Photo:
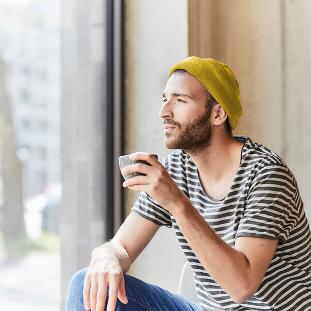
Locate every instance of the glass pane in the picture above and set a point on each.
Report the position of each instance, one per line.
(30, 188)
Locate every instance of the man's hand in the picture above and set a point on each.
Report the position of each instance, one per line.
(157, 183)
(104, 271)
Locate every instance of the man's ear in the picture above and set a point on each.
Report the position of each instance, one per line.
(218, 115)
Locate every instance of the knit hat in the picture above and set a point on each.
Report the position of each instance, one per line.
(219, 81)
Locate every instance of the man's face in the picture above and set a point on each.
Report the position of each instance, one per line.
(185, 115)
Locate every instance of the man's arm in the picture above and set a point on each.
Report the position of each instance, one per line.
(239, 270)
(111, 259)
(133, 236)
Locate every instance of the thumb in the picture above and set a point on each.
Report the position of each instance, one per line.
(121, 293)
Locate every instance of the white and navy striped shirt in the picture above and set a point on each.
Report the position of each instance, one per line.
(263, 201)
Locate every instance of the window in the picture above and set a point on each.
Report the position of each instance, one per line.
(29, 237)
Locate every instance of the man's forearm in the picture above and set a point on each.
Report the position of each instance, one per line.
(226, 265)
(116, 249)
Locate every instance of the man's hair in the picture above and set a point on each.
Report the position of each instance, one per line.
(210, 102)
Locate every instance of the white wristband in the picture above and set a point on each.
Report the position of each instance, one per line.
(119, 251)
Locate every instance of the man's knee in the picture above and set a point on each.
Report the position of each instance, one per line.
(131, 283)
(77, 281)
(74, 300)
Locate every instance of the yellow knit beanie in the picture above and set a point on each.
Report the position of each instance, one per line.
(219, 81)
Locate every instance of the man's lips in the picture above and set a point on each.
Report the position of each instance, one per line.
(168, 128)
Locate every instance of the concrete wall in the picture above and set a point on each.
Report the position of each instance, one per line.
(297, 93)
(156, 37)
(267, 44)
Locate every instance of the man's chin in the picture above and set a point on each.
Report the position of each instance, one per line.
(171, 144)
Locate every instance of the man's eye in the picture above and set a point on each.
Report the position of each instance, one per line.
(164, 100)
(180, 100)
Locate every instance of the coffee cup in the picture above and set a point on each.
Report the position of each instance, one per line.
(125, 161)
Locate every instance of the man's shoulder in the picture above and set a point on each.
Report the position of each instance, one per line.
(178, 159)
(263, 159)
(257, 152)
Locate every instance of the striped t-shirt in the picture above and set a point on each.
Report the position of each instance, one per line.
(263, 201)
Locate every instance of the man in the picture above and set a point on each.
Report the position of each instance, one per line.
(234, 205)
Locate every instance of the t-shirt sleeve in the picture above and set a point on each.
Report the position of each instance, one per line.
(271, 209)
(149, 209)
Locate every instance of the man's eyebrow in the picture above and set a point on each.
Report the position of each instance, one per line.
(178, 95)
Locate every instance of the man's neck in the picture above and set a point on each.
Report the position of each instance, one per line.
(220, 159)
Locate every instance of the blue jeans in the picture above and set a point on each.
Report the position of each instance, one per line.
(141, 296)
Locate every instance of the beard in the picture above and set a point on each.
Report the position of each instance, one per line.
(192, 137)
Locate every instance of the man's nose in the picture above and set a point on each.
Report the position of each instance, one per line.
(165, 111)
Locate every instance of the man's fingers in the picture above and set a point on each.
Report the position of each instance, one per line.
(113, 297)
(114, 284)
(86, 292)
(121, 293)
(101, 294)
(93, 292)
(136, 168)
(137, 180)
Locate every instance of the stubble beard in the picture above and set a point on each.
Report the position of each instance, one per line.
(192, 137)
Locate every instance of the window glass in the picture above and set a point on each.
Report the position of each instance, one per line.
(30, 188)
